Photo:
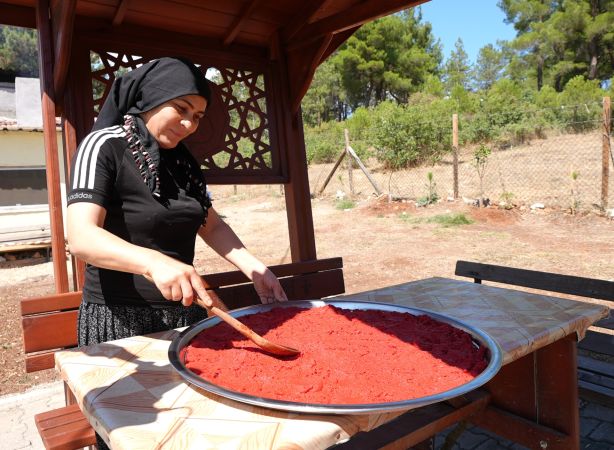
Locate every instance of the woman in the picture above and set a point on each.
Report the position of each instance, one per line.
(136, 202)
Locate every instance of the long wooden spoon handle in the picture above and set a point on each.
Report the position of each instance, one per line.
(250, 334)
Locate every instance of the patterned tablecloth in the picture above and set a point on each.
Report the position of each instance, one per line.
(135, 399)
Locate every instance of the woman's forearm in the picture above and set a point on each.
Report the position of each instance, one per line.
(223, 240)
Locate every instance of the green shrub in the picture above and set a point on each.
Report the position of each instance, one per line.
(582, 98)
(344, 203)
(450, 220)
(324, 143)
(405, 136)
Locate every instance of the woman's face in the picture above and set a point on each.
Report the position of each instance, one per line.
(173, 121)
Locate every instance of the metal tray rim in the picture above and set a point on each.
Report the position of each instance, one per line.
(180, 341)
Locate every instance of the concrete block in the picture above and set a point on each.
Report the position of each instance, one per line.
(28, 108)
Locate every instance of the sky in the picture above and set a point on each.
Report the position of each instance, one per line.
(476, 22)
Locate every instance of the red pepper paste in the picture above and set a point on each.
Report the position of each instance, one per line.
(347, 356)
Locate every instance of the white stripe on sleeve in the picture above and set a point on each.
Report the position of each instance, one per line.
(85, 165)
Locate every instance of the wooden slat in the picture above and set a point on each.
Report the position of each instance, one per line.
(598, 342)
(608, 322)
(300, 287)
(417, 425)
(522, 431)
(593, 365)
(596, 393)
(564, 284)
(606, 381)
(213, 281)
(65, 428)
(47, 331)
(56, 417)
(40, 361)
(58, 302)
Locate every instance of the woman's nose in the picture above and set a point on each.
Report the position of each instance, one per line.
(187, 123)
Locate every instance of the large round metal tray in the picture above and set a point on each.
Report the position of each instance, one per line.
(479, 337)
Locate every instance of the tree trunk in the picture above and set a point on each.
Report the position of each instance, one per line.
(592, 70)
(540, 72)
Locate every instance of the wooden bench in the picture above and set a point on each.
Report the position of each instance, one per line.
(49, 324)
(596, 364)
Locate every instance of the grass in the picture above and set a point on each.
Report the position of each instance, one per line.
(409, 219)
(450, 220)
(344, 204)
(445, 220)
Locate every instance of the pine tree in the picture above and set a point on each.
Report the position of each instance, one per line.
(18, 52)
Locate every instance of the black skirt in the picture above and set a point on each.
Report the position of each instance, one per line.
(97, 323)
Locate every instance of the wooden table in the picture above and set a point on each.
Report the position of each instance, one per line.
(135, 399)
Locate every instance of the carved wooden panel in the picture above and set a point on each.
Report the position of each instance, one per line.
(234, 137)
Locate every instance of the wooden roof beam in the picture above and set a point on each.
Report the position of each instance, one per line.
(302, 18)
(303, 63)
(329, 44)
(120, 13)
(17, 16)
(353, 17)
(62, 19)
(240, 20)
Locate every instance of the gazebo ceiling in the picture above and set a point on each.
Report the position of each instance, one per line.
(250, 22)
(302, 32)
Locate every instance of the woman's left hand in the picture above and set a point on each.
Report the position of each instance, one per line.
(268, 287)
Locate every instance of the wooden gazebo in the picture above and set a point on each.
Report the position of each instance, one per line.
(263, 53)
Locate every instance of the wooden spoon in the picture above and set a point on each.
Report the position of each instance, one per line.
(265, 344)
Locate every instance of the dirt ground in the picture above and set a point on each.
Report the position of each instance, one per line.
(381, 244)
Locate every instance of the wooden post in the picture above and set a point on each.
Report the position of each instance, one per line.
(346, 133)
(45, 57)
(297, 195)
(605, 152)
(455, 152)
(330, 175)
(362, 167)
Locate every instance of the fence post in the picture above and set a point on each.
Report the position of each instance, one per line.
(349, 160)
(455, 152)
(605, 152)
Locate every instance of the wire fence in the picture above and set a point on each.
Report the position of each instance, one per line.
(563, 169)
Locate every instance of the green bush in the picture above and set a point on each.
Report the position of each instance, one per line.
(405, 136)
(324, 143)
(450, 220)
(582, 98)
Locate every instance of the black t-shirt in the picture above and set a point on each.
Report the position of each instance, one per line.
(104, 172)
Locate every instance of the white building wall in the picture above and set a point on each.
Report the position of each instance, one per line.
(26, 149)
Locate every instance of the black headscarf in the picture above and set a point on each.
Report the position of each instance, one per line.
(150, 85)
(141, 90)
